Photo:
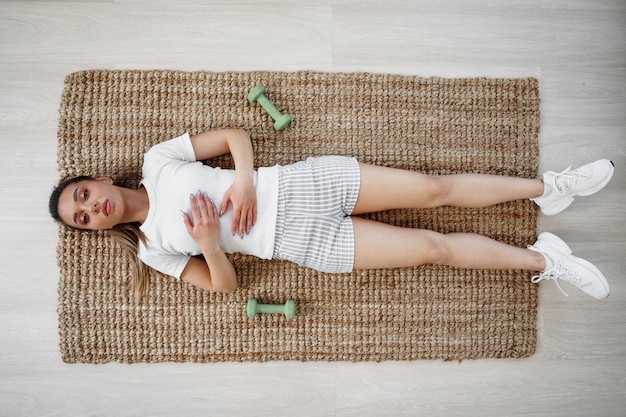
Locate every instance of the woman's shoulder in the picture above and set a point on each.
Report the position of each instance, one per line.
(178, 149)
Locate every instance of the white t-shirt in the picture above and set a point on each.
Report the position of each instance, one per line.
(170, 174)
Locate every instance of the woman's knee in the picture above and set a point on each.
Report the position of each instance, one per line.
(437, 251)
(438, 190)
(433, 249)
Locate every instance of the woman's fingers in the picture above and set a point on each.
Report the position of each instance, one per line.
(202, 207)
(252, 221)
(204, 210)
(203, 223)
(210, 208)
(207, 207)
(193, 205)
(243, 221)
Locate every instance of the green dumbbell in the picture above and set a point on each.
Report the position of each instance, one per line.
(288, 309)
(280, 120)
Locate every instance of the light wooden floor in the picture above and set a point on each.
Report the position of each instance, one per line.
(576, 47)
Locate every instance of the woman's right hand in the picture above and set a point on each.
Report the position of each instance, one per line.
(203, 226)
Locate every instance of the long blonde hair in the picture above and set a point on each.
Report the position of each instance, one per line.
(128, 236)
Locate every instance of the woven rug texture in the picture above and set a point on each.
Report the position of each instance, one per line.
(109, 119)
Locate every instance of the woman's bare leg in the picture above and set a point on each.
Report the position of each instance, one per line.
(379, 245)
(388, 188)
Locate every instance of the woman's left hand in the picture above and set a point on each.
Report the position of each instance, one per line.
(242, 195)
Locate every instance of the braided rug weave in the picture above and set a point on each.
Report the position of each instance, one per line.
(109, 119)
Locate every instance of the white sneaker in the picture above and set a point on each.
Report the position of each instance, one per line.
(562, 265)
(562, 187)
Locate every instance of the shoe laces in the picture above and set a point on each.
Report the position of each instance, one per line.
(559, 272)
(565, 180)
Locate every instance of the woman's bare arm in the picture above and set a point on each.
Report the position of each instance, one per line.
(215, 273)
(241, 194)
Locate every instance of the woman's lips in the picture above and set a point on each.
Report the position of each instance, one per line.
(106, 208)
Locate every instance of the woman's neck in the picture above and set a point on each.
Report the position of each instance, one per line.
(137, 205)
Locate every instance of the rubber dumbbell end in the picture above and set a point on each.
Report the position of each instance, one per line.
(251, 307)
(290, 309)
(255, 93)
(282, 122)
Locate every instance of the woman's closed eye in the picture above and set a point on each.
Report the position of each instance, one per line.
(85, 217)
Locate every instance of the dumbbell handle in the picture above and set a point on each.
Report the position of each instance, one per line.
(269, 107)
(270, 308)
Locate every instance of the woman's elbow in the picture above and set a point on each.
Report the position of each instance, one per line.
(226, 288)
(197, 274)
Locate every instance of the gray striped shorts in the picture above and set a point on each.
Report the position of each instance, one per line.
(315, 200)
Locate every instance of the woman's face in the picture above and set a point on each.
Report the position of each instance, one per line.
(91, 205)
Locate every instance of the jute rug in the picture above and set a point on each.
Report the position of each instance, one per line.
(108, 119)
